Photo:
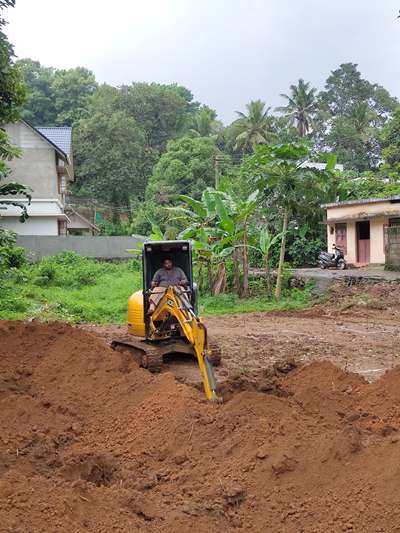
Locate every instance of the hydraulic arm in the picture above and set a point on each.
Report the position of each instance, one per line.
(175, 303)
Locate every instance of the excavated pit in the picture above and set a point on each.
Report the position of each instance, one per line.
(88, 446)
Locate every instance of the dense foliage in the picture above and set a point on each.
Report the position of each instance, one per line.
(147, 154)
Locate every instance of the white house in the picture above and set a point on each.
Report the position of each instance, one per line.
(46, 166)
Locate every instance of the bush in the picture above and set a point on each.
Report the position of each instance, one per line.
(70, 270)
(304, 252)
(12, 256)
(7, 238)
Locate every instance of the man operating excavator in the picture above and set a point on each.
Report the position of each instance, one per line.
(167, 276)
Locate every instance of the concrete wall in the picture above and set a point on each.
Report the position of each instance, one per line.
(37, 165)
(99, 247)
(33, 226)
(393, 250)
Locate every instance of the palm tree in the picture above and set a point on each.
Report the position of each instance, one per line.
(302, 104)
(205, 123)
(253, 128)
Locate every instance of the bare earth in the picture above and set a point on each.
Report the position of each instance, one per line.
(90, 442)
(357, 329)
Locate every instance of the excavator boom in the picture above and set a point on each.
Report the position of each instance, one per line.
(175, 303)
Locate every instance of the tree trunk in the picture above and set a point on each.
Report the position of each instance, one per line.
(268, 274)
(219, 284)
(245, 265)
(278, 289)
(210, 277)
(236, 270)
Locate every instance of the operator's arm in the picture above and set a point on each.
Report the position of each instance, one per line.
(182, 277)
(156, 279)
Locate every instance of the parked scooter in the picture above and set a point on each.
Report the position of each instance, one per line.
(336, 260)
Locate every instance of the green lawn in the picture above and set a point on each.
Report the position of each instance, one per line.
(80, 290)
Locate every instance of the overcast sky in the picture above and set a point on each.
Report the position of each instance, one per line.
(227, 52)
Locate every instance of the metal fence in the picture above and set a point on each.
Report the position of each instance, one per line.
(38, 246)
(392, 247)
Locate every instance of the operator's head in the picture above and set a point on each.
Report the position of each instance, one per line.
(167, 263)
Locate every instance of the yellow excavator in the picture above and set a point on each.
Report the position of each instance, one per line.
(174, 327)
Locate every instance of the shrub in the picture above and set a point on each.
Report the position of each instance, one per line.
(70, 270)
(7, 238)
(304, 252)
(12, 256)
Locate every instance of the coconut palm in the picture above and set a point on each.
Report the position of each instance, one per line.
(301, 106)
(252, 128)
(205, 123)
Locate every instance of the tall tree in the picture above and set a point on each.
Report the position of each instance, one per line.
(252, 128)
(39, 108)
(56, 97)
(301, 106)
(71, 91)
(391, 146)
(163, 112)
(351, 112)
(186, 167)
(108, 155)
(205, 123)
(12, 96)
(12, 88)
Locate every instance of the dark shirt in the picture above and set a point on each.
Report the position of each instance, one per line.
(166, 278)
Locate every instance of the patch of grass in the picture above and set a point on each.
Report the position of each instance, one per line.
(75, 289)
(231, 303)
(81, 291)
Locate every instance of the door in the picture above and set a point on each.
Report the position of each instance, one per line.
(363, 242)
(341, 237)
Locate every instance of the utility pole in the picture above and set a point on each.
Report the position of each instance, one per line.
(217, 159)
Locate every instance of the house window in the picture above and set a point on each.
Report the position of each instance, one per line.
(62, 185)
(394, 221)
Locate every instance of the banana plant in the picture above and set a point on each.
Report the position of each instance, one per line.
(266, 242)
(218, 226)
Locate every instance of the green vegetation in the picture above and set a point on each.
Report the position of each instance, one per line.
(139, 146)
(12, 96)
(76, 289)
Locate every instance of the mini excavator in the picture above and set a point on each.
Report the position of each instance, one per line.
(174, 327)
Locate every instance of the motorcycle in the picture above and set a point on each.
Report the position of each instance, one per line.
(327, 260)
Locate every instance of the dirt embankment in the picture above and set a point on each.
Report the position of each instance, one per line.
(89, 443)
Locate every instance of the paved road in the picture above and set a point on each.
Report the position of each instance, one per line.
(377, 273)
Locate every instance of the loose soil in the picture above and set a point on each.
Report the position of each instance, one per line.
(89, 442)
(356, 328)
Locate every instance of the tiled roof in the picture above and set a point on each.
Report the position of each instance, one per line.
(61, 137)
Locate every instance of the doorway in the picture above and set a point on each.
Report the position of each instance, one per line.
(363, 242)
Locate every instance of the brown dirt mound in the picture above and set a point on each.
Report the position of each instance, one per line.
(89, 442)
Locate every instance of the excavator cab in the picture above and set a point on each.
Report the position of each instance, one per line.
(153, 255)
